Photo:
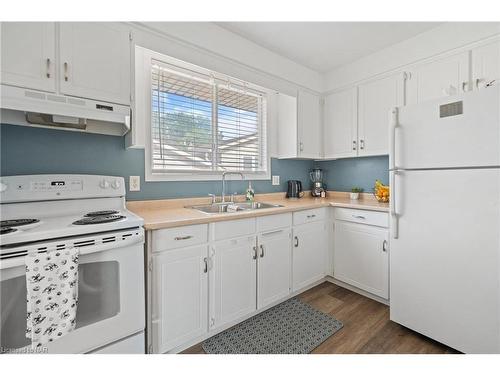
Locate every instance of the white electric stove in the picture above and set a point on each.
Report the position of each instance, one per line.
(48, 212)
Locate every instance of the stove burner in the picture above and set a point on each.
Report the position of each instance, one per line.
(101, 213)
(17, 222)
(7, 230)
(101, 219)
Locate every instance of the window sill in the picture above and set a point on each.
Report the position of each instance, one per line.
(158, 177)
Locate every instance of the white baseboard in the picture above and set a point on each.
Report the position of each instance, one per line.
(357, 290)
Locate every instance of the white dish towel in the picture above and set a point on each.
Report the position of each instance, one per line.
(52, 294)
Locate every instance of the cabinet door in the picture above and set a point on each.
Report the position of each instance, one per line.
(361, 257)
(274, 268)
(95, 61)
(308, 254)
(28, 55)
(486, 65)
(340, 127)
(180, 302)
(287, 126)
(235, 284)
(444, 77)
(375, 99)
(309, 126)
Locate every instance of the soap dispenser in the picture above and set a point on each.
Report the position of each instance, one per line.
(250, 194)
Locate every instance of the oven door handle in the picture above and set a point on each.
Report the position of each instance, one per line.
(19, 260)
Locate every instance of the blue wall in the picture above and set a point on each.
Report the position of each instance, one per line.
(344, 174)
(28, 150)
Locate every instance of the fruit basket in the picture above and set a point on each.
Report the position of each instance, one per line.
(381, 192)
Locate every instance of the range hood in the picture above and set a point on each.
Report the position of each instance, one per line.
(27, 107)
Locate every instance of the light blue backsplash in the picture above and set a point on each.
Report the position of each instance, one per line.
(27, 150)
(344, 174)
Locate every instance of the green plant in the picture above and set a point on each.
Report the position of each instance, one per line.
(356, 190)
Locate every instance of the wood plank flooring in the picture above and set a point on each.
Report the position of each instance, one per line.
(367, 328)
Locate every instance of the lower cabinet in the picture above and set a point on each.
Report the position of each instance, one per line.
(274, 266)
(234, 279)
(361, 257)
(180, 285)
(309, 253)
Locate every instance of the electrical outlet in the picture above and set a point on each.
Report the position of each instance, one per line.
(276, 180)
(134, 183)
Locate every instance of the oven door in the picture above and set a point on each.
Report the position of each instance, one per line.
(111, 299)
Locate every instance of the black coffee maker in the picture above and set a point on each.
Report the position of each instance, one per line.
(294, 189)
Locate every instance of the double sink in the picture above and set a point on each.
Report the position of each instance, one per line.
(217, 208)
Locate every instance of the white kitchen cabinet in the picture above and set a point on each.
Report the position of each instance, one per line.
(486, 65)
(180, 300)
(234, 280)
(274, 267)
(439, 78)
(28, 55)
(361, 257)
(309, 256)
(340, 139)
(375, 99)
(94, 61)
(299, 126)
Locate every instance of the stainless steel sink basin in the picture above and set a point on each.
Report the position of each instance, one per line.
(216, 208)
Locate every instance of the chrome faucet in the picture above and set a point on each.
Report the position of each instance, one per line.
(224, 174)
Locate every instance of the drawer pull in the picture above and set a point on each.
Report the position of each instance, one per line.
(384, 246)
(311, 216)
(359, 217)
(296, 241)
(181, 238)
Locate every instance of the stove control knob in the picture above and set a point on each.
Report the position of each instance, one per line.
(3, 187)
(115, 184)
(104, 184)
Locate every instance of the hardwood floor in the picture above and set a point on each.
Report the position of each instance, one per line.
(367, 328)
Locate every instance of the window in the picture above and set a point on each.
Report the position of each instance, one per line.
(203, 123)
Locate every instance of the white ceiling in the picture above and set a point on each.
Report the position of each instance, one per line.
(323, 46)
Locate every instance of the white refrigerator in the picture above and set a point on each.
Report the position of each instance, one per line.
(445, 220)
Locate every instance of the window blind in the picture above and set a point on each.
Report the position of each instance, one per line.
(203, 124)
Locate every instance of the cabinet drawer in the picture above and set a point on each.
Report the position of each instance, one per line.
(172, 238)
(379, 219)
(271, 222)
(233, 228)
(308, 216)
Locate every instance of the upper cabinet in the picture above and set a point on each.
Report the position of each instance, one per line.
(439, 78)
(299, 126)
(340, 138)
(92, 62)
(29, 55)
(375, 99)
(95, 61)
(486, 65)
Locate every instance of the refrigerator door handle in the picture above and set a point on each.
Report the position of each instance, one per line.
(394, 228)
(393, 123)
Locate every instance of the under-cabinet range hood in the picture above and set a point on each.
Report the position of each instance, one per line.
(27, 107)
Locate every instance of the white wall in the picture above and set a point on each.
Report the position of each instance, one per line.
(441, 39)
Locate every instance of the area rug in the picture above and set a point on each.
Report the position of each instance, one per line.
(292, 327)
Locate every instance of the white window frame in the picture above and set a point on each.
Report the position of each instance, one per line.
(143, 104)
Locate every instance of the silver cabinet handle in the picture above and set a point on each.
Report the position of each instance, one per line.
(262, 251)
(296, 241)
(181, 238)
(464, 84)
(311, 216)
(254, 252)
(205, 260)
(478, 80)
(359, 217)
(66, 71)
(354, 145)
(48, 68)
(384, 246)
(362, 144)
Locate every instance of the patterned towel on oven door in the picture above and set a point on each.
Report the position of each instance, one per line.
(52, 294)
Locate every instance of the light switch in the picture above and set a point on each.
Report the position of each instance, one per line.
(135, 183)
(276, 180)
